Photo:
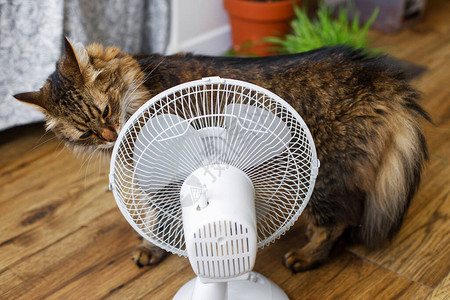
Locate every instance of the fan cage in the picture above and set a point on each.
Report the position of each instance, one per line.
(283, 184)
(214, 259)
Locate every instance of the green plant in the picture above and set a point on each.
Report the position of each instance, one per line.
(324, 31)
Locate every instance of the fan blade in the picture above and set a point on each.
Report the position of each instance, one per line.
(256, 134)
(164, 152)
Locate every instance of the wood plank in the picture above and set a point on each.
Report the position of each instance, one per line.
(169, 288)
(47, 196)
(352, 278)
(103, 241)
(9, 280)
(15, 168)
(25, 140)
(154, 280)
(31, 225)
(344, 276)
(442, 291)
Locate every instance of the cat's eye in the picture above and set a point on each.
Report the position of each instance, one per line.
(86, 135)
(106, 112)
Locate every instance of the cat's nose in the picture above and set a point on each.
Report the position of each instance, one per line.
(109, 134)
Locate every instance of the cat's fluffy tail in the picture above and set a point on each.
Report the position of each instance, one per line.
(397, 177)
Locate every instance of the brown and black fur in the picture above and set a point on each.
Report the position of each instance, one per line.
(363, 116)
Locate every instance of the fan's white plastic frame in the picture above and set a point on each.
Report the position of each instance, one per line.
(251, 284)
(218, 80)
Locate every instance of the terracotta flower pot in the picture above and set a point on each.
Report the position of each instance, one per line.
(252, 21)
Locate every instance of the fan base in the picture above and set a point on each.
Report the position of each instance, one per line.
(256, 287)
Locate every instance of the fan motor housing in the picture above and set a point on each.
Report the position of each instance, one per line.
(219, 222)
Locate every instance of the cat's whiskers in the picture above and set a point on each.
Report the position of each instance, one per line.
(88, 163)
(100, 160)
(88, 156)
(129, 98)
(105, 158)
(133, 101)
(79, 152)
(132, 85)
(64, 145)
(42, 136)
(98, 155)
(44, 142)
(102, 157)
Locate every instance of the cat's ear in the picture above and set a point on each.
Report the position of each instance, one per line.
(70, 62)
(34, 98)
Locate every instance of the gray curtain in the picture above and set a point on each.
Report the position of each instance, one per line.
(31, 33)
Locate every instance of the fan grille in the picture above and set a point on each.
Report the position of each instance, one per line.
(149, 198)
(227, 258)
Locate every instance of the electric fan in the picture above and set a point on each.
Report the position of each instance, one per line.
(214, 169)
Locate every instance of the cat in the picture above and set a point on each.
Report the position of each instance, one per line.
(364, 118)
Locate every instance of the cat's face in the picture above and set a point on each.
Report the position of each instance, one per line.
(86, 100)
(82, 115)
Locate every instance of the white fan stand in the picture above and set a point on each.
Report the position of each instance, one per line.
(214, 169)
(256, 286)
(222, 192)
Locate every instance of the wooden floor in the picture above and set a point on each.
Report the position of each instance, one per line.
(62, 236)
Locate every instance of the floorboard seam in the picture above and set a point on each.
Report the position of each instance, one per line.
(389, 269)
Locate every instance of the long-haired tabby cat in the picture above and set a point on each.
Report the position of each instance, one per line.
(363, 116)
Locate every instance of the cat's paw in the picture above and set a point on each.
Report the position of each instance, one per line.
(297, 260)
(145, 255)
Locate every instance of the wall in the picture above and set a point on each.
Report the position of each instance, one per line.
(199, 26)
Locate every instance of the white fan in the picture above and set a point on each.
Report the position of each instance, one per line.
(214, 169)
